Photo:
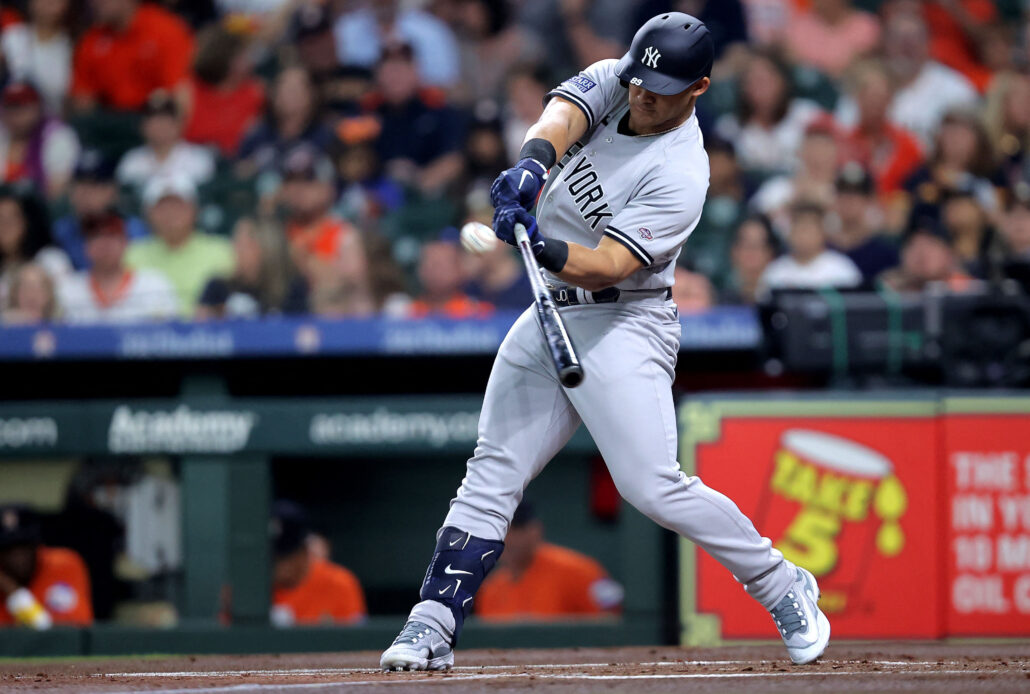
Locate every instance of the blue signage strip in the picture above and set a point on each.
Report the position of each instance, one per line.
(721, 328)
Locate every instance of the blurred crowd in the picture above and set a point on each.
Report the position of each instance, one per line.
(73, 568)
(212, 159)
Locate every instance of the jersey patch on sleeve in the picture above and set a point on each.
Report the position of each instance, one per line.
(635, 248)
(583, 84)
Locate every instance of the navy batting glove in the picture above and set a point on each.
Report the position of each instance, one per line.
(505, 219)
(519, 185)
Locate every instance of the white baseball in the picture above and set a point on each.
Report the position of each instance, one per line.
(477, 238)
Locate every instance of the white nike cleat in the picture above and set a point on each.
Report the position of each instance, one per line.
(418, 647)
(803, 626)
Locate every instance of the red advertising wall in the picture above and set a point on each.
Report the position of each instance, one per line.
(987, 577)
(855, 500)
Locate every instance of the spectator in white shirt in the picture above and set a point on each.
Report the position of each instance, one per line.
(812, 180)
(925, 89)
(109, 292)
(809, 264)
(362, 32)
(164, 153)
(767, 127)
(40, 50)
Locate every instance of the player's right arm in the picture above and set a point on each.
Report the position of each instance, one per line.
(573, 108)
(561, 124)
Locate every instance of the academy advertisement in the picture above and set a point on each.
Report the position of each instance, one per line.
(853, 499)
(987, 464)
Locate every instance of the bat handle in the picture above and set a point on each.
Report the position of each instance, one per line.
(521, 237)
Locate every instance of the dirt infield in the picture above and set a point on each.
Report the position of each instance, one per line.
(858, 667)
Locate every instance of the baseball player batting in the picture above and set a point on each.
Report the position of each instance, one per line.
(628, 177)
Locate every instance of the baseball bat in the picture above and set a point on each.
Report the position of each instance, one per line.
(563, 354)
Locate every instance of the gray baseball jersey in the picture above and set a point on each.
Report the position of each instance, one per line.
(644, 191)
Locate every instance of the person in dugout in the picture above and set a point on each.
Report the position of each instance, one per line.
(536, 580)
(39, 586)
(307, 589)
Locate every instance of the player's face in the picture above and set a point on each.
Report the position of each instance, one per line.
(19, 563)
(651, 113)
(290, 570)
(521, 543)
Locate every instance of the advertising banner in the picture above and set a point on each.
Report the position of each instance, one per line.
(847, 489)
(987, 465)
(359, 426)
(723, 327)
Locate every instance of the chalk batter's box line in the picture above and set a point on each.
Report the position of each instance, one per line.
(459, 677)
(307, 672)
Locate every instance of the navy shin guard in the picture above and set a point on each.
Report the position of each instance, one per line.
(459, 565)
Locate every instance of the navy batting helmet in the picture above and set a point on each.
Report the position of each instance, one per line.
(669, 54)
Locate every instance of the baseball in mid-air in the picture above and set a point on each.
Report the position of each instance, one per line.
(477, 237)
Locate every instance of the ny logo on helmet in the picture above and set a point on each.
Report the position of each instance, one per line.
(651, 56)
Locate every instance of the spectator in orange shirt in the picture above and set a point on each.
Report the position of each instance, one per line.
(959, 32)
(307, 194)
(39, 586)
(536, 580)
(889, 152)
(225, 98)
(132, 50)
(307, 589)
(442, 277)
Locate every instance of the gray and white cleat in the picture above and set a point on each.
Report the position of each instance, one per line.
(802, 625)
(418, 647)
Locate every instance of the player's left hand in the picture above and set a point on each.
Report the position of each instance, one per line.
(505, 219)
(519, 184)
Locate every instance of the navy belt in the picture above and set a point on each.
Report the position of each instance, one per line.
(575, 296)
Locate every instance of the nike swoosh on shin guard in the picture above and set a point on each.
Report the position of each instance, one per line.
(458, 553)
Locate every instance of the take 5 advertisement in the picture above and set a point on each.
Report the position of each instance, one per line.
(987, 467)
(913, 514)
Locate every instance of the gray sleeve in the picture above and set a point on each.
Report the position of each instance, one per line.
(658, 220)
(596, 91)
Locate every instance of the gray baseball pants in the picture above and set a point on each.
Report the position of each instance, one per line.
(628, 351)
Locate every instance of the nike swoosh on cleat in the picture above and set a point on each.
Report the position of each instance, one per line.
(449, 570)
